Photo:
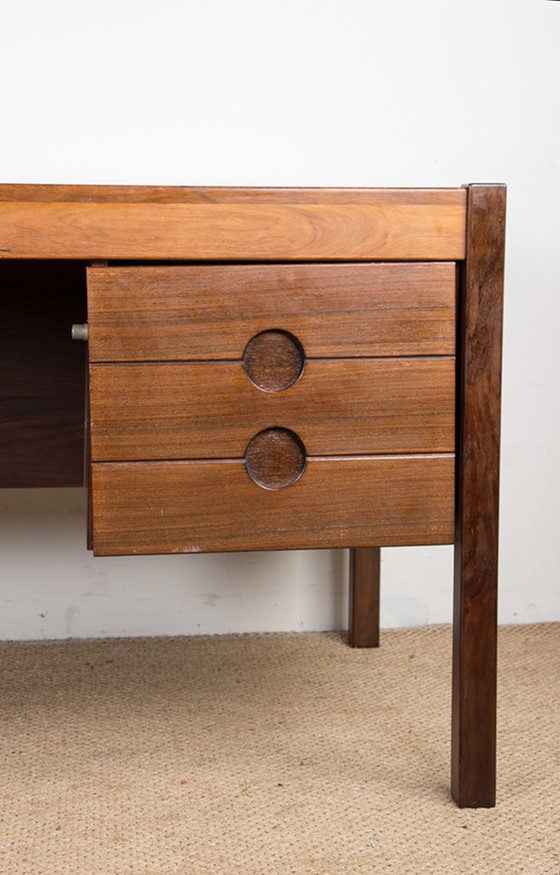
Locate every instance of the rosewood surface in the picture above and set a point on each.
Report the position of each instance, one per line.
(213, 311)
(365, 574)
(191, 507)
(208, 410)
(256, 224)
(477, 494)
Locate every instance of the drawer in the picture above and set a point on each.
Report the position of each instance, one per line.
(207, 506)
(211, 311)
(211, 410)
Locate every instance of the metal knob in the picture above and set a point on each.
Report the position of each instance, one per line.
(80, 331)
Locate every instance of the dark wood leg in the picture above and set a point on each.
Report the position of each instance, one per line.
(473, 782)
(364, 596)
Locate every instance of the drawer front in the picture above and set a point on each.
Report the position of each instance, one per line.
(211, 312)
(211, 410)
(207, 506)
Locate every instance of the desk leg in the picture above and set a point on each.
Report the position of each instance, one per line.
(364, 596)
(473, 782)
(87, 469)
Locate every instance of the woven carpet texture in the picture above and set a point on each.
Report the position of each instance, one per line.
(269, 754)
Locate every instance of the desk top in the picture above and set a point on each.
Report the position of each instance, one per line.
(231, 224)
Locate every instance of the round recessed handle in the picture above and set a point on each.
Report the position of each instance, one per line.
(273, 360)
(275, 458)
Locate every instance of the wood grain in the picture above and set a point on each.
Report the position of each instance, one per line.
(134, 194)
(221, 230)
(211, 410)
(275, 458)
(365, 574)
(190, 507)
(209, 312)
(273, 360)
(476, 539)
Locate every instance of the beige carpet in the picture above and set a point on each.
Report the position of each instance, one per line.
(269, 754)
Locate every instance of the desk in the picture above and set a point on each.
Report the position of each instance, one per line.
(271, 369)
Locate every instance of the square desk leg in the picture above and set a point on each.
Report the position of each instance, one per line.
(364, 596)
(473, 782)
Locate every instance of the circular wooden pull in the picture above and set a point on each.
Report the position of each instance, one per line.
(273, 360)
(275, 458)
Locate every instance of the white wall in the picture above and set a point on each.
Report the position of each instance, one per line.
(313, 92)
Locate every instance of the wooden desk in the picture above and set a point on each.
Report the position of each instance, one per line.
(271, 369)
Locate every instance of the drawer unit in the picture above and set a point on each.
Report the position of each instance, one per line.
(250, 407)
